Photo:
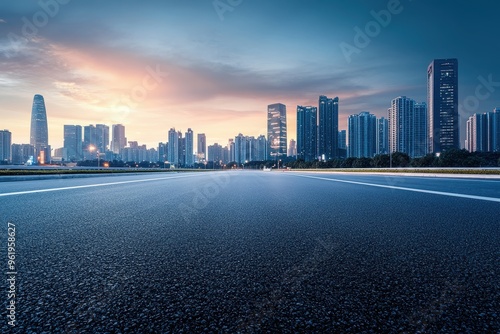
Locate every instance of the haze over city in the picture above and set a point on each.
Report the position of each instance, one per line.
(216, 69)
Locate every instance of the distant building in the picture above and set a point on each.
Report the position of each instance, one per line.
(73, 142)
(276, 131)
(442, 104)
(162, 152)
(232, 150)
(5, 146)
(22, 153)
(39, 133)
(482, 132)
(343, 139)
(307, 133)
(262, 148)
(173, 147)
(102, 137)
(362, 134)
(240, 149)
(292, 148)
(215, 153)
(382, 136)
(182, 150)
(202, 147)
(189, 138)
(328, 127)
(118, 139)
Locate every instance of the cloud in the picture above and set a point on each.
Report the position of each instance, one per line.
(3, 21)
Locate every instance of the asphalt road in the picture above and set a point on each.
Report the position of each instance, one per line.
(253, 252)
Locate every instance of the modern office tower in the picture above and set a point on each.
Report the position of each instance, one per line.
(189, 138)
(292, 148)
(173, 147)
(261, 148)
(22, 153)
(73, 142)
(138, 153)
(419, 121)
(407, 127)
(494, 130)
(162, 152)
(118, 139)
(307, 132)
(362, 134)
(215, 153)
(343, 139)
(39, 133)
(232, 150)
(382, 136)
(442, 105)
(240, 149)
(328, 127)
(202, 147)
(477, 137)
(102, 137)
(5, 146)
(276, 131)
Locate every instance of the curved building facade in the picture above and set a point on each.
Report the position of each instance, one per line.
(39, 134)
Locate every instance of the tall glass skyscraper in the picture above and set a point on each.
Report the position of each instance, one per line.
(173, 147)
(442, 104)
(328, 127)
(276, 131)
(5, 145)
(189, 147)
(39, 133)
(307, 133)
(118, 139)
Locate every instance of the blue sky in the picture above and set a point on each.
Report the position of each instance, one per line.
(218, 75)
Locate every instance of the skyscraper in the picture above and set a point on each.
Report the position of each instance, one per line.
(261, 148)
(39, 133)
(362, 133)
(5, 146)
(419, 123)
(89, 137)
(442, 104)
(240, 149)
(118, 139)
(202, 147)
(307, 133)
(173, 147)
(343, 139)
(482, 132)
(182, 150)
(189, 147)
(73, 142)
(276, 131)
(22, 153)
(382, 136)
(328, 127)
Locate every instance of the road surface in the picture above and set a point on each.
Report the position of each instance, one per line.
(253, 252)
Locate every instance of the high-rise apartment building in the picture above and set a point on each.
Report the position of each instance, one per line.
(262, 148)
(189, 138)
(382, 136)
(173, 147)
(73, 142)
(276, 131)
(202, 147)
(328, 127)
(442, 104)
(240, 149)
(307, 133)
(362, 134)
(5, 146)
(118, 139)
(292, 148)
(483, 131)
(22, 153)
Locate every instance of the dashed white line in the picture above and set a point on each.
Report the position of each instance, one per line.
(442, 193)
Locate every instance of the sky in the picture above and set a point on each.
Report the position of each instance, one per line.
(214, 65)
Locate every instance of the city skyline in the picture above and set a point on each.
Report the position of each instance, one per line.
(223, 81)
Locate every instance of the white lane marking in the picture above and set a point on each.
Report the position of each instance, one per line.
(90, 186)
(442, 193)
